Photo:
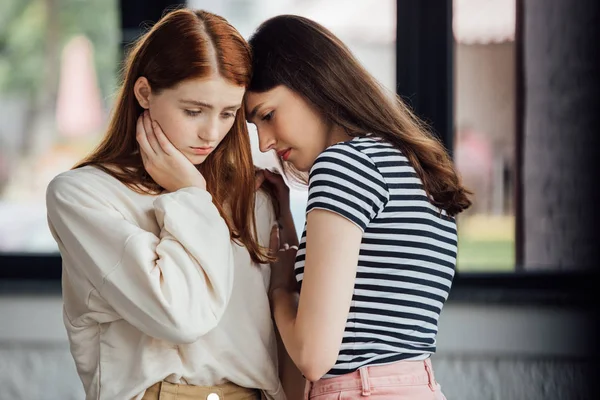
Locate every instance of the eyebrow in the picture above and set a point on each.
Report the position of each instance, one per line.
(254, 111)
(209, 106)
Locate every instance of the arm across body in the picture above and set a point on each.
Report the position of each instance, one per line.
(291, 378)
(346, 192)
(312, 327)
(173, 287)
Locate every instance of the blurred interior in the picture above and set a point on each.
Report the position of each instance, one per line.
(505, 84)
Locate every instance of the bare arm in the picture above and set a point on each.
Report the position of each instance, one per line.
(291, 378)
(346, 192)
(312, 329)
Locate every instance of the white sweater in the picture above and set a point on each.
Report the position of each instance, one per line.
(154, 289)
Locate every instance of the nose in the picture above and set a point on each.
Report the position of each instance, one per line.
(210, 131)
(266, 141)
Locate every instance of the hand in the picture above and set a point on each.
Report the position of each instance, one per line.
(282, 270)
(259, 178)
(282, 191)
(166, 165)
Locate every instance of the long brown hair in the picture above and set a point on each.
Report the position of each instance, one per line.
(177, 48)
(307, 58)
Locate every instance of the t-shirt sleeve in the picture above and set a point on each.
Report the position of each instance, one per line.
(346, 181)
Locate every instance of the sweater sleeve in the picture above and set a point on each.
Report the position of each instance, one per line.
(174, 287)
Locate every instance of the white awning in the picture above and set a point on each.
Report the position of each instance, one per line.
(474, 21)
(484, 21)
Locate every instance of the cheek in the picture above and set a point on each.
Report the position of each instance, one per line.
(226, 128)
(173, 125)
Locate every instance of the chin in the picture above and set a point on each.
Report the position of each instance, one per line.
(301, 166)
(196, 159)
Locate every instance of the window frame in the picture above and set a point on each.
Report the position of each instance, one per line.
(425, 39)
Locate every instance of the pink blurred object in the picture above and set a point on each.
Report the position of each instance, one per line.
(473, 154)
(79, 107)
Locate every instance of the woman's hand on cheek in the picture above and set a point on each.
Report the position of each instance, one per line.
(164, 163)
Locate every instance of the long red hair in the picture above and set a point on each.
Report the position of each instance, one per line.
(179, 47)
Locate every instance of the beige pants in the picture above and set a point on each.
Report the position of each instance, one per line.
(226, 391)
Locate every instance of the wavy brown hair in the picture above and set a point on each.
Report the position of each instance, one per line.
(179, 47)
(307, 58)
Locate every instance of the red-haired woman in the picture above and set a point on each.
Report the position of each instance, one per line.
(165, 272)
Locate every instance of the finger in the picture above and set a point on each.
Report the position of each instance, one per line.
(294, 247)
(163, 140)
(259, 177)
(272, 176)
(144, 157)
(274, 240)
(275, 178)
(142, 137)
(150, 133)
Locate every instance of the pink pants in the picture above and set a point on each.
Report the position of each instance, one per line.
(404, 380)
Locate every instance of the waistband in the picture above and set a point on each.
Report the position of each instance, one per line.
(226, 391)
(398, 374)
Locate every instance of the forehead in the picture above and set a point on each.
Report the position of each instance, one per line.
(254, 99)
(214, 90)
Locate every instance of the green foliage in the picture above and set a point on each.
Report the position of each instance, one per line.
(24, 40)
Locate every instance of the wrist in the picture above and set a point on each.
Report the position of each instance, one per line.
(286, 213)
(276, 294)
(277, 291)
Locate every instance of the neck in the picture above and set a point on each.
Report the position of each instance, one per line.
(337, 134)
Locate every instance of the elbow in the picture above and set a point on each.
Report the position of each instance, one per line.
(315, 364)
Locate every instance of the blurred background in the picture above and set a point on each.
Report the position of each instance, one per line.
(508, 85)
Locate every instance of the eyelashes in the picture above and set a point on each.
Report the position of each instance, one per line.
(191, 113)
(267, 117)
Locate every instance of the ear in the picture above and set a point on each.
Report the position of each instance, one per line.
(142, 92)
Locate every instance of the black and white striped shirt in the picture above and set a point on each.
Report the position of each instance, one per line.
(407, 254)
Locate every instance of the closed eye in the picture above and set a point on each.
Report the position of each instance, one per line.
(192, 113)
(267, 117)
(229, 114)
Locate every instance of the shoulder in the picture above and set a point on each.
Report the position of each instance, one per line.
(263, 203)
(351, 152)
(73, 179)
(348, 160)
(264, 216)
(83, 182)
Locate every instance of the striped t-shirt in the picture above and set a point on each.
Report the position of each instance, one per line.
(407, 255)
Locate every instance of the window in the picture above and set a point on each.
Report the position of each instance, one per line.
(372, 40)
(484, 123)
(58, 70)
(43, 41)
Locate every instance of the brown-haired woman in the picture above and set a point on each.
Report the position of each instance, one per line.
(164, 276)
(378, 253)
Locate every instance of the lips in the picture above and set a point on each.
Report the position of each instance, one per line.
(284, 154)
(201, 150)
